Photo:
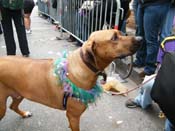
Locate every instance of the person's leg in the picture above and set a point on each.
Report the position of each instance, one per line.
(8, 31)
(123, 22)
(141, 53)
(27, 21)
(20, 28)
(0, 29)
(153, 21)
(144, 98)
(135, 9)
(28, 7)
(168, 25)
(169, 126)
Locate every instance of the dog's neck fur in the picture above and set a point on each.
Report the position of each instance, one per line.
(79, 77)
(77, 71)
(103, 63)
(91, 55)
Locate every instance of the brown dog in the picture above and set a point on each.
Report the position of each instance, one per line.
(33, 79)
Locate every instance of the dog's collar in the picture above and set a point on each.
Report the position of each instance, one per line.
(91, 67)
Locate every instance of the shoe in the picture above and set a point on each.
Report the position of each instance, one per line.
(71, 39)
(28, 31)
(143, 74)
(27, 55)
(78, 43)
(131, 104)
(138, 65)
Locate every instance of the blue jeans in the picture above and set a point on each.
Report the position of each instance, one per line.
(144, 98)
(135, 7)
(169, 126)
(150, 21)
(168, 25)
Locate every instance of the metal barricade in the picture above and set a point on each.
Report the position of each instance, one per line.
(81, 17)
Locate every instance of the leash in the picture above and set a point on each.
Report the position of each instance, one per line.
(139, 86)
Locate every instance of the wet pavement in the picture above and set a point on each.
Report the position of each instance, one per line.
(108, 114)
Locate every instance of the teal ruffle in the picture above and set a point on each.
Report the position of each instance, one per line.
(85, 96)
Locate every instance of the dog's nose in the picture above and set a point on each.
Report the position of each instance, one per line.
(139, 39)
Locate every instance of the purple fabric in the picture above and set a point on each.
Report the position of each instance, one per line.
(169, 47)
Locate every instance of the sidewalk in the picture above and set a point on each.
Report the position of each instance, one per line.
(109, 114)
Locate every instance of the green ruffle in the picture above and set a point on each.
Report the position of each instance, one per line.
(85, 96)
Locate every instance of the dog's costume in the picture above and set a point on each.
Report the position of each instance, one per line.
(70, 89)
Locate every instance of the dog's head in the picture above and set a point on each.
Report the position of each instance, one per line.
(108, 45)
(111, 44)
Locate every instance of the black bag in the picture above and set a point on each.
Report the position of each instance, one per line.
(163, 91)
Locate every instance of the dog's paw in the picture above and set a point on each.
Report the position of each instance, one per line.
(27, 114)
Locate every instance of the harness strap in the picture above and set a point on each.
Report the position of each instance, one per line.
(65, 98)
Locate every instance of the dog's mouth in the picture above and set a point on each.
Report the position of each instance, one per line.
(122, 56)
(137, 44)
(133, 49)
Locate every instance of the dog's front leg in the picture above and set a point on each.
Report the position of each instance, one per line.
(74, 111)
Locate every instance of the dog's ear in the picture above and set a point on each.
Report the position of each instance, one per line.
(91, 43)
(91, 51)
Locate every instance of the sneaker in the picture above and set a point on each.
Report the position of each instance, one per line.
(143, 74)
(27, 55)
(131, 104)
(137, 65)
(28, 31)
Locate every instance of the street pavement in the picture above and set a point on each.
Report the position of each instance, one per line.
(108, 114)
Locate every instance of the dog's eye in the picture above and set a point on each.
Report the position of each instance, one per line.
(114, 37)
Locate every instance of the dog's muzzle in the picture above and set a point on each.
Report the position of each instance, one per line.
(137, 43)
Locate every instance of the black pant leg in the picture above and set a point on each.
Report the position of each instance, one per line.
(0, 29)
(21, 33)
(8, 31)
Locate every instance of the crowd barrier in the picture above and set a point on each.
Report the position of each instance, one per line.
(81, 17)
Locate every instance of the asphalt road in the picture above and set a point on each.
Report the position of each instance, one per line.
(108, 114)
